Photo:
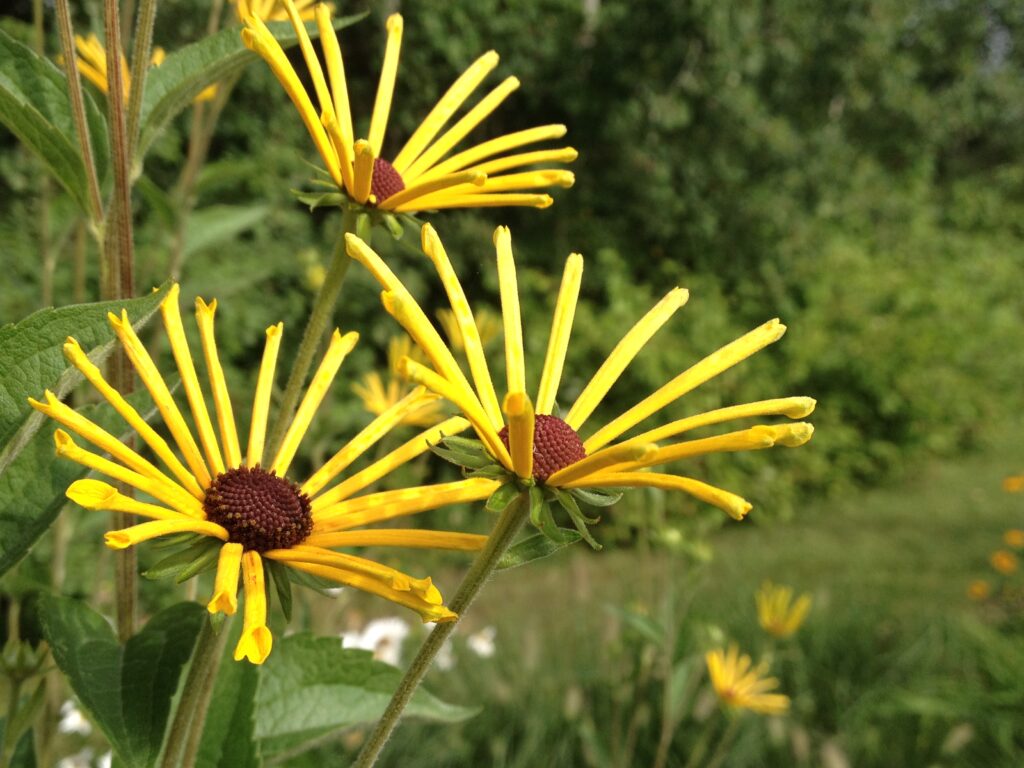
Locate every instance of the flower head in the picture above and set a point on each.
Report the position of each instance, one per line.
(1013, 483)
(92, 63)
(1003, 561)
(378, 396)
(243, 503)
(424, 175)
(979, 590)
(740, 685)
(525, 437)
(777, 614)
(1014, 537)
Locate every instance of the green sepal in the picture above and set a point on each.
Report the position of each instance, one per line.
(186, 563)
(175, 540)
(462, 459)
(467, 444)
(597, 497)
(536, 547)
(578, 518)
(279, 575)
(320, 199)
(502, 497)
(541, 517)
(490, 472)
(394, 226)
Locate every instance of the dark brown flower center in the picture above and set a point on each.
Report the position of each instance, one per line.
(555, 446)
(386, 180)
(260, 510)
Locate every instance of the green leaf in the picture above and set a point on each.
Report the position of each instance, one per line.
(228, 740)
(278, 573)
(502, 497)
(185, 73)
(597, 497)
(24, 752)
(312, 686)
(217, 223)
(126, 690)
(34, 105)
(536, 547)
(32, 478)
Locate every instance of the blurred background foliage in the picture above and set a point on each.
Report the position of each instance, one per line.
(854, 167)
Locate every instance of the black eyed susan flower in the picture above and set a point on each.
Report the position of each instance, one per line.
(424, 175)
(1013, 484)
(380, 393)
(534, 447)
(1004, 561)
(741, 685)
(226, 492)
(777, 614)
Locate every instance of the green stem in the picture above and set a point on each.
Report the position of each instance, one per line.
(498, 542)
(10, 737)
(186, 729)
(319, 318)
(67, 47)
(722, 750)
(141, 53)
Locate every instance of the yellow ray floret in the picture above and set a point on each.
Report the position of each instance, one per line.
(256, 640)
(225, 586)
(777, 613)
(741, 685)
(519, 410)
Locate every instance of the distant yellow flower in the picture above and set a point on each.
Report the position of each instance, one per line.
(740, 685)
(541, 448)
(776, 611)
(1013, 483)
(979, 589)
(423, 175)
(92, 63)
(259, 514)
(1014, 538)
(488, 326)
(378, 397)
(1003, 561)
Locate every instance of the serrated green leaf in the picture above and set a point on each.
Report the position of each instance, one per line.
(35, 106)
(127, 691)
(596, 497)
(502, 497)
(32, 478)
(185, 73)
(536, 547)
(312, 686)
(278, 574)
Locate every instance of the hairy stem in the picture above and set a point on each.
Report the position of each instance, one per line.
(498, 542)
(141, 53)
(319, 318)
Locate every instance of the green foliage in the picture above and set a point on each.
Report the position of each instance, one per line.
(35, 106)
(127, 690)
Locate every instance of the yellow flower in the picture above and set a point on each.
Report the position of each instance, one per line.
(274, 10)
(777, 613)
(92, 63)
(1013, 483)
(1003, 561)
(539, 447)
(979, 589)
(740, 685)
(215, 490)
(1014, 538)
(422, 176)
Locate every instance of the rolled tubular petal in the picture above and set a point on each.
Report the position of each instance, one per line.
(362, 442)
(463, 180)
(480, 152)
(256, 640)
(386, 86)
(128, 537)
(712, 365)
(339, 87)
(189, 380)
(614, 456)
(520, 433)
(793, 407)
(161, 395)
(515, 363)
(734, 506)
(388, 463)
(338, 349)
(427, 611)
(225, 585)
(507, 163)
(561, 329)
(221, 397)
(500, 200)
(388, 576)
(446, 106)
(173, 495)
(631, 344)
(261, 400)
(77, 357)
(412, 538)
(95, 494)
(466, 322)
(387, 505)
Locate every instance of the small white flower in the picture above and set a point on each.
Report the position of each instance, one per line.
(72, 720)
(82, 759)
(382, 636)
(105, 760)
(482, 643)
